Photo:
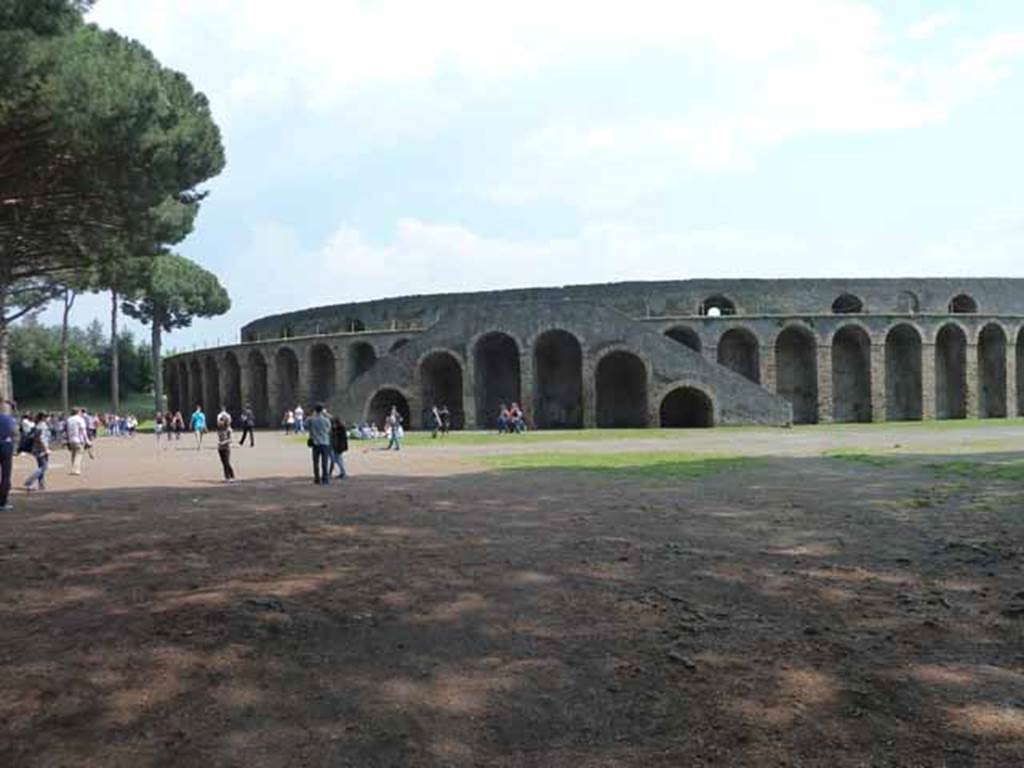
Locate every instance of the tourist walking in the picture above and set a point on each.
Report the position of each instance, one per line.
(158, 428)
(339, 444)
(300, 420)
(222, 414)
(179, 424)
(41, 451)
(394, 427)
(320, 443)
(289, 422)
(247, 427)
(224, 446)
(198, 425)
(78, 439)
(435, 417)
(8, 437)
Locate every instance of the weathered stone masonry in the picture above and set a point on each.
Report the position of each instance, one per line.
(687, 353)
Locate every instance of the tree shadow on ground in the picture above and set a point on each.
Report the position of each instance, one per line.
(811, 612)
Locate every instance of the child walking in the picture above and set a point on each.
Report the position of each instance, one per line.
(224, 447)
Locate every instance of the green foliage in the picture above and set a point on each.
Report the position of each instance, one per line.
(36, 358)
(175, 292)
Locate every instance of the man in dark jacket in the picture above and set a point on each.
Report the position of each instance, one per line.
(247, 426)
(339, 444)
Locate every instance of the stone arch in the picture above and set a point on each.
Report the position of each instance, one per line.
(796, 371)
(739, 351)
(286, 366)
(686, 407)
(962, 304)
(361, 357)
(621, 385)
(851, 374)
(558, 380)
(847, 304)
(259, 389)
(907, 301)
(441, 384)
(398, 344)
(903, 373)
(232, 384)
(381, 402)
(951, 372)
(323, 374)
(195, 386)
(992, 372)
(496, 376)
(685, 336)
(717, 305)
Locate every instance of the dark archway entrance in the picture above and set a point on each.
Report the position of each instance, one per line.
(323, 374)
(685, 336)
(621, 391)
(233, 385)
(441, 384)
(796, 371)
(496, 373)
(851, 375)
(195, 386)
(951, 373)
(685, 407)
(992, 372)
(558, 377)
(258, 390)
(903, 374)
(185, 403)
(287, 365)
(380, 407)
(361, 357)
(211, 380)
(738, 351)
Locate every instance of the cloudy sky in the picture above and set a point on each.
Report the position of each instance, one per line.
(380, 148)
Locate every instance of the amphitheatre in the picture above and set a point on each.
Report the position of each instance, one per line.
(692, 353)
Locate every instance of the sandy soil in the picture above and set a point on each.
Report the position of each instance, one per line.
(796, 610)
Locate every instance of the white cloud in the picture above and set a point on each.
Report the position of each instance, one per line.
(931, 25)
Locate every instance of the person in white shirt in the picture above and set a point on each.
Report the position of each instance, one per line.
(224, 415)
(78, 439)
(300, 417)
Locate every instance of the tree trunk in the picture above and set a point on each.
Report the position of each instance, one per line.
(65, 395)
(115, 363)
(158, 374)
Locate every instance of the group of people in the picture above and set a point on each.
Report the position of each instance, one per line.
(441, 421)
(38, 436)
(511, 419)
(294, 421)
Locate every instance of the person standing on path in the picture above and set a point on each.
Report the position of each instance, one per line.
(339, 444)
(8, 436)
(78, 439)
(394, 422)
(320, 442)
(247, 427)
(198, 425)
(41, 450)
(224, 447)
(300, 420)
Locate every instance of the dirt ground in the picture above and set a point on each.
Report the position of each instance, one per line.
(791, 609)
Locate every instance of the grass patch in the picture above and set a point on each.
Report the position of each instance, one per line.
(976, 470)
(654, 465)
(865, 459)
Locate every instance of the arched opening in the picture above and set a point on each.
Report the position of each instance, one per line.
(992, 372)
(323, 374)
(621, 391)
(558, 376)
(951, 373)
(847, 304)
(496, 373)
(851, 375)
(398, 345)
(195, 386)
(963, 305)
(287, 365)
(381, 404)
(441, 385)
(903, 374)
(211, 379)
(738, 351)
(361, 357)
(685, 407)
(685, 336)
(796, 371)
(259, 390)
(232, 384)
(907, 302)
(717, 306)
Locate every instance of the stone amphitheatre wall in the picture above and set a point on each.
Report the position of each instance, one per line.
(868, 350)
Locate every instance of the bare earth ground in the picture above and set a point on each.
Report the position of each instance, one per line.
(793, 609)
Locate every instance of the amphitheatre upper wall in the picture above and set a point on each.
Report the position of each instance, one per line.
(990, 296)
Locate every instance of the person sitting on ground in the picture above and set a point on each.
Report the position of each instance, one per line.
(503, 419)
